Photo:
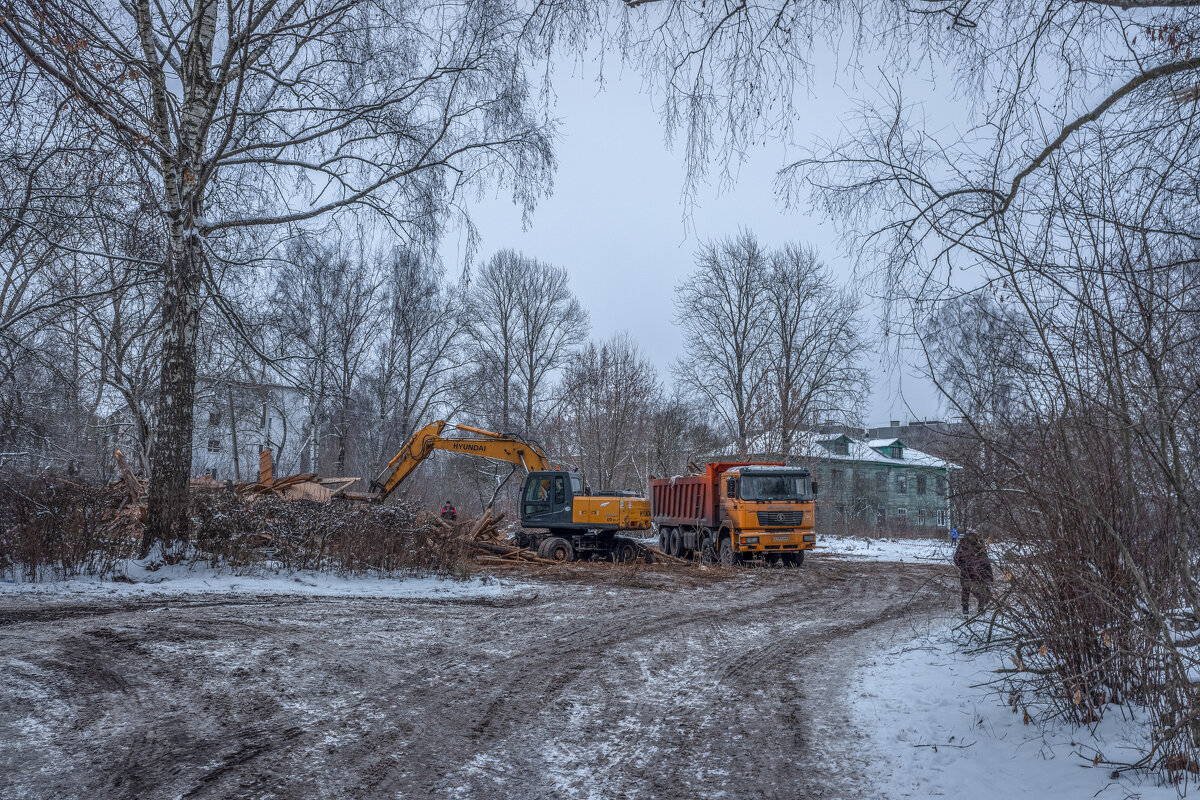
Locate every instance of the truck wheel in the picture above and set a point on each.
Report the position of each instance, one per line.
(676, 543)
(664, 539)
(557, 548)
(708, 546)
(725, 553)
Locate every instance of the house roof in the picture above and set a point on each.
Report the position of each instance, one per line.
(870, 451)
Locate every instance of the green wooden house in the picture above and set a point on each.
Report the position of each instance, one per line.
(877, 483)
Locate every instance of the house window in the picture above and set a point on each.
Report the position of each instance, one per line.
(902, 483)
(214, 418)
(212, 473)
(881, 481)
(921, 484)
(214, 445)
(922, 516)
(940, 483)
(880, 515)
(941, 517)
(836, 479)
(901, 516)
(896, 451)
(841, 447)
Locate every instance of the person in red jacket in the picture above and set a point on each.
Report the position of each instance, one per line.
(449, 512)
(974, 570)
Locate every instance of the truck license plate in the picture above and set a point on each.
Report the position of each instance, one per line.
(781, 538)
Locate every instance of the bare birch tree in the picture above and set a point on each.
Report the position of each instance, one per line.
(421, 360)
(253, 117)
(609, 395)
(816, 346)
(550, 324)
(723, 310)
(326, 305)
(495, 330)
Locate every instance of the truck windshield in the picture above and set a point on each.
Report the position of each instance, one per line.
(776, 487)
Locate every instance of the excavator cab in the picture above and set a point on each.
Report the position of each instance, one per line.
(546, 498)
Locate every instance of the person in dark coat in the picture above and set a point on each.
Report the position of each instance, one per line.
(974, 570)
(449, 511)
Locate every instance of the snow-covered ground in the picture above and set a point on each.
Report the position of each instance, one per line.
(886, 549)
(935, 732)
(183, 579)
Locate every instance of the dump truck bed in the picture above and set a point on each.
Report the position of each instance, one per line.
(684, 500)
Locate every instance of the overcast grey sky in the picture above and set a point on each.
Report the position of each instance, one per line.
(616, 220)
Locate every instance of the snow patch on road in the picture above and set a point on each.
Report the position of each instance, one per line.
(935, 732)
(886, 549)
(196, 579)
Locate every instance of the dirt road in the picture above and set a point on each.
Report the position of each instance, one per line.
(617, 685)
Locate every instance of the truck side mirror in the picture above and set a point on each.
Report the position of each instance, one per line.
(815, 486)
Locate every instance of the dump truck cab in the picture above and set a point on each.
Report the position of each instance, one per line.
(736, 510)
(768, 509)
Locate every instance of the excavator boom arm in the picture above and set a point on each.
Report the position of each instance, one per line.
(481, 443)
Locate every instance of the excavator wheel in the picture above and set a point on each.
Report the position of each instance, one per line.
(557, 548)
(624, 552)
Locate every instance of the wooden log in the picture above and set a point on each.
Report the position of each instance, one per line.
(515, 553)
(128, 478)
(498, 549)
(531, 559)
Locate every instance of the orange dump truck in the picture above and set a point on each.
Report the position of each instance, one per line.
(736, 511)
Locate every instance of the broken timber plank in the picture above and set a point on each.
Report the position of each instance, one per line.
(130, 480)
(266, 472)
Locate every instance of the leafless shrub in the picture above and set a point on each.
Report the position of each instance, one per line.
(51, 527)
(58, 528)
(332, 537)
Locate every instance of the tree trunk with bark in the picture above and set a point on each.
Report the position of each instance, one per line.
(171, 467)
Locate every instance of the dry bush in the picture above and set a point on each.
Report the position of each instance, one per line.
(51, 527)
(1094, 611)
(337, 537)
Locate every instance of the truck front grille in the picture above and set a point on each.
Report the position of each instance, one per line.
(780, 517)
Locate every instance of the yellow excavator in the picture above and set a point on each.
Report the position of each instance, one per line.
(560, 517)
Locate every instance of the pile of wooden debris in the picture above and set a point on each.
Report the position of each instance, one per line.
(303, 486)
(484, 535)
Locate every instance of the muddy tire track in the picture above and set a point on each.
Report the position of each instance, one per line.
(597, 685)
